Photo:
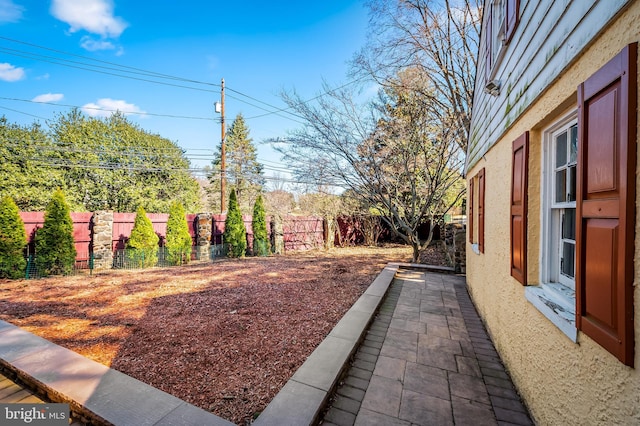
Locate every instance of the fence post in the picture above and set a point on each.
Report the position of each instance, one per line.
(329, 230)
(277, 235)
(26, 271)
(102, 239)
(203, 235)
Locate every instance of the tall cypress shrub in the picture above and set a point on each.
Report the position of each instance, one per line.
(142, 247)
(261, 245)
(55, 248)
(235, 236)
(179, 240)
(12, 240)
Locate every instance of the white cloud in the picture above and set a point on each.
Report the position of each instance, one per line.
(94, 16)
(106, 106)
(92, 45)
(48, 97)
(10, 12)
(10, 73)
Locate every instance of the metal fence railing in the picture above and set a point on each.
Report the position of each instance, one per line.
(122, 259)
(139, 259)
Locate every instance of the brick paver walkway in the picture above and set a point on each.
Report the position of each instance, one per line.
(426, 360)
(12, 392)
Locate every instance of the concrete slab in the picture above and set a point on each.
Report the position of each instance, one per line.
(323, 367)
(296, 404)
(187, 415)
(352, 326)
(124, 400)
(425, 410)
(4, 326)
(15, 343)
(62, 372)
(367, 303)
(383, 396)
(380, 285)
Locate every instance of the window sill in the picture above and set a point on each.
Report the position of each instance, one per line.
(557, 303)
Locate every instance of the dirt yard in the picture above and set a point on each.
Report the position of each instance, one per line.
(224, 336)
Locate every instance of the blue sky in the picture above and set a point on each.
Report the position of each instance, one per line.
(258, 47)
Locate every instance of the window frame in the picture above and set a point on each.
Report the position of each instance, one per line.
(554, 300)
(549, 247)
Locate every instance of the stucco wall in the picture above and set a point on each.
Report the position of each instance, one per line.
(561, 382)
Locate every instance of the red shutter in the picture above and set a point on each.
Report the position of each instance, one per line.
(481, 185)
(519, 172)
(511, 18)
(606, 204)
(470, 216)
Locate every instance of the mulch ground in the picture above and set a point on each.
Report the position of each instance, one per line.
(225, 336)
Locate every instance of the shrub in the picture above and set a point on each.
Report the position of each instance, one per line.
(142, 247)
(179, 241)
(235, 236)
(12, 240)
(55, 248)
(261, 245)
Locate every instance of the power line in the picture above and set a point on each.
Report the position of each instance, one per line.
(119, 68)
(22, 112)
(278, 109)
(85, 68)
(264, 109)
(134, 70)
(137, 152)
(108, 110)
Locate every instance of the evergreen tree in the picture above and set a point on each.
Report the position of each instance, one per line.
(235, 236)
(179, 240)
(261, 246)
(55, 248)
(142, 247)
(243, 172)
(12, 240)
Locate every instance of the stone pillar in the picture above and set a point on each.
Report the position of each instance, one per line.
(102, 239)
(203, 235)
(277, 235)
(460, 252)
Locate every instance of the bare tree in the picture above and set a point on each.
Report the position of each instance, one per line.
(438, 37)
(279, 203)
(396, 154)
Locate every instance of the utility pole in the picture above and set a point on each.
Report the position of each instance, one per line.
(223, 165)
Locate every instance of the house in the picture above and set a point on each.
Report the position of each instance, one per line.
(553, 263)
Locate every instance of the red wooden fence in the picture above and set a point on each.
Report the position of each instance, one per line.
(82, 234)
(123, 224)
(217, 228)
(300, 232)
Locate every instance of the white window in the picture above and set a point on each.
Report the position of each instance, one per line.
(501, 20)
(561, 204)
(555, 296)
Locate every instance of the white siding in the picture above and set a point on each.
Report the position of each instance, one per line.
(549, 37)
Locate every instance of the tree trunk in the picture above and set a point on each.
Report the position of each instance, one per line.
(416, 250)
